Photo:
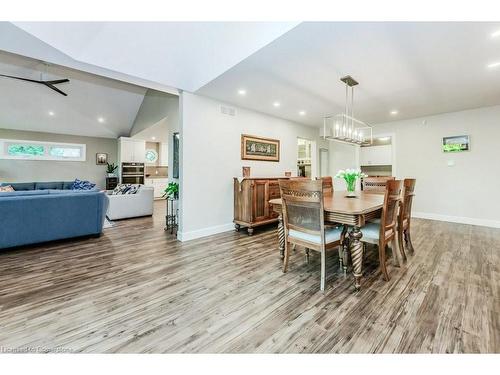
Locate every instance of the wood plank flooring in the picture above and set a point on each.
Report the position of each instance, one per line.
(136, 289)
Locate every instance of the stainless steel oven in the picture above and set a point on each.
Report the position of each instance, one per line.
(132, 173)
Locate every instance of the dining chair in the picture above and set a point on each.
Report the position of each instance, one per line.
(384, 233)
(327, 184)
(304, 222)
(404, 217)
(375, 185)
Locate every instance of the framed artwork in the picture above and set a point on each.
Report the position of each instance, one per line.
(101, 158)
(456, 143)
(258, 148)
(175, 171)
(151, 156)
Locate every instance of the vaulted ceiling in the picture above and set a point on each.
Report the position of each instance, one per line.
(95, 106)
(409, 68)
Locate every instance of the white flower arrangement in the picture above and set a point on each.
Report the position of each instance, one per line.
(350, 176)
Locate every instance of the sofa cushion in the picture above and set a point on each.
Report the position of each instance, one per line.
(21, 185)
(331, 235)
(6, 189)
(48, 185)
(82, 185)
(23, 193)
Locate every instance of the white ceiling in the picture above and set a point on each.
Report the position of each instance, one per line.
(26, 106)
(416, 68)
(158, 130)
(185, 55)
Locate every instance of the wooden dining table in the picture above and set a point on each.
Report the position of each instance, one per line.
(353, 213)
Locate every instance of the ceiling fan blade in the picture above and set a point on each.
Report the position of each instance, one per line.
(21, 79)
(56, 82)
(54, 88)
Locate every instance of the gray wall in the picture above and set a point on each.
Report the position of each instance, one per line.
(38, 170)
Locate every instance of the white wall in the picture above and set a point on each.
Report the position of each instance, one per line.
(342, 156)
(466, 192)
(211, 157)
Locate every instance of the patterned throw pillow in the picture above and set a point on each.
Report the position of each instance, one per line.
(82, 185)
(5, 189)
(123, 189)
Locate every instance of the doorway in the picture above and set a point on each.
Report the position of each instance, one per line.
(306, 158)
(323, 162)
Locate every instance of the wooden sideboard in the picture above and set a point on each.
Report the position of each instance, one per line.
(251, 201)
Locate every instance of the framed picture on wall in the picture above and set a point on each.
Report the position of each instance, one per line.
(101, 158)
(175, 171)
(258, 148)
(456, 143)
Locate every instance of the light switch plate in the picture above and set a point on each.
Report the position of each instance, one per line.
(451, 163)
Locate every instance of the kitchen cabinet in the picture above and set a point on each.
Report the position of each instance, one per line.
(163, 154)
(375, 155)
(131, 150)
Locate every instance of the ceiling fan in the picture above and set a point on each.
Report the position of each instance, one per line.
(49, 84)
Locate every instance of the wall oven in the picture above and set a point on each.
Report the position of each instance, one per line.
(132, 173)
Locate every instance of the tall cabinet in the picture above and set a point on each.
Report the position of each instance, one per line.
(251, 202)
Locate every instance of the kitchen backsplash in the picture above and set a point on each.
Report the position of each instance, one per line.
(152, 171)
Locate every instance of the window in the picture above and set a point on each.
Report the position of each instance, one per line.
(34, 150)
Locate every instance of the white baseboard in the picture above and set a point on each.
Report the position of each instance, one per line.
(457, 219)
(199, 233)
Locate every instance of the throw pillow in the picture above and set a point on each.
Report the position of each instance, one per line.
(82, 185)
(5, 189)
(123, 189)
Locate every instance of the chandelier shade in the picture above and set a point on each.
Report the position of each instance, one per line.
(344, 127)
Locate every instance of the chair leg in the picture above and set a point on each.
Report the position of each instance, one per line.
(323, 270)
(395, 256)
(408, 239)
(307, 255)
(401, 245)
(383, 267)
(287, 256)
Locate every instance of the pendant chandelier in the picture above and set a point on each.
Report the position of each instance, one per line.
(344, 127)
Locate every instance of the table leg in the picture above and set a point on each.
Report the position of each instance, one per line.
(356, 249)
(281, 236)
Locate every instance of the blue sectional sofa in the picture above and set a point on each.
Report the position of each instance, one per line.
(45, 211)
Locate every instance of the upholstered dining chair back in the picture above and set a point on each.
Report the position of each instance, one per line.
(303, 206)
(327, 184)
(391, 205)
(375, 185)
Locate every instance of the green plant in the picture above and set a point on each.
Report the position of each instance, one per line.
(350, 176)
(172, 190)
(111, 168)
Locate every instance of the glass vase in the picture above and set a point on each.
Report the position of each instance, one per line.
(351, 189)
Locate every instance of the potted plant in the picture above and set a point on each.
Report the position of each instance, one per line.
(350, 176)
(110, 169)
(172, 191)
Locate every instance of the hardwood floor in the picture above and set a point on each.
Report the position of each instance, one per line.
(136, 289)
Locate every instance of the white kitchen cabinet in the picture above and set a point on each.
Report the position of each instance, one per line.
(131, 150)
(163, 154)
(375, 155)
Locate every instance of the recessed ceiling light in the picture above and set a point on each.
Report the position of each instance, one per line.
(276, 104)
(100, 119)
(242, 92)
(153, 138)
(495, 34)
(302, 113)
(51, 113)
(394, 112)
(494, 65)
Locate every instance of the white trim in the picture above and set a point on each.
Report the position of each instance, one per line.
(457, 219)
(4, 155)
(199, 233)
